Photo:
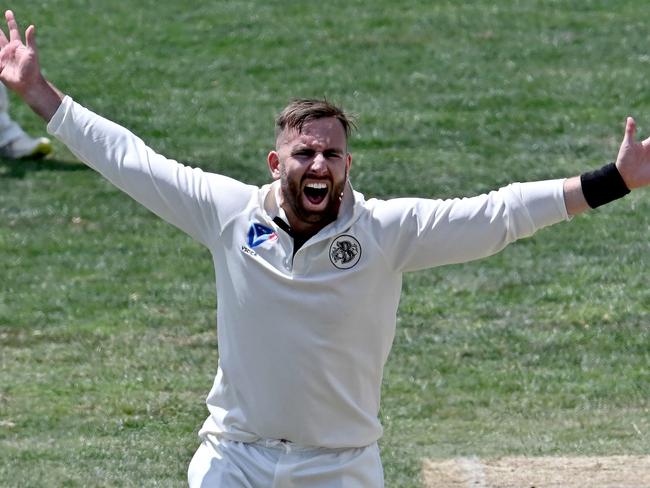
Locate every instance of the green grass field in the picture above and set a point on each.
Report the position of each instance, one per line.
(107, 315)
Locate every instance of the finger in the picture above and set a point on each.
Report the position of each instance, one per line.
(14, 33)
(3, 39)
(630, 130)
(646, 144)
(30, 37)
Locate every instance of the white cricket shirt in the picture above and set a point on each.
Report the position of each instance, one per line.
(303, 339)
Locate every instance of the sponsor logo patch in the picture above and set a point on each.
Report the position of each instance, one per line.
(345, 252)
(258, 234)
(249, 251)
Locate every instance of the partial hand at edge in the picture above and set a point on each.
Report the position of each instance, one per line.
(633, 160)
(20, 70)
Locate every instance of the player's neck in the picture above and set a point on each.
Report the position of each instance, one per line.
(304, 230)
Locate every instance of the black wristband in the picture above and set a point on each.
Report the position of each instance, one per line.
(603, 185)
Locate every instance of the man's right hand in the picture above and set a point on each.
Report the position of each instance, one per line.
(19, 68)
(21, 72)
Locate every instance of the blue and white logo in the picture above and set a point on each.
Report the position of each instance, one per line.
(258, 234)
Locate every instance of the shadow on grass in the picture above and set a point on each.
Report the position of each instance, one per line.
(10, 168)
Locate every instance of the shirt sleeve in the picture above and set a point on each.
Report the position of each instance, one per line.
(189, 198)
(420, 233)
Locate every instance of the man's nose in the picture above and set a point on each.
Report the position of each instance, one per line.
(320, 164)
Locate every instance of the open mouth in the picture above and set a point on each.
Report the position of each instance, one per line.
(315, 192)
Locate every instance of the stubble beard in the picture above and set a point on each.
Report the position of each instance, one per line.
(291, 190)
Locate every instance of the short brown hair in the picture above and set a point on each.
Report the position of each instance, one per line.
(302, 110)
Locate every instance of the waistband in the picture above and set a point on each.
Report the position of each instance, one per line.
(282, 445)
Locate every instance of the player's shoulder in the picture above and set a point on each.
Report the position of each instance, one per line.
(230, 189)
(383, 209)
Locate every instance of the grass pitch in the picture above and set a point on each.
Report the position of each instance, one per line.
(107, 333)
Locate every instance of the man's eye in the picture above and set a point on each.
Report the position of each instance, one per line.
(303, 153)
(332, 154)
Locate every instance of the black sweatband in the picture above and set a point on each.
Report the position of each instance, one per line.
(603, 185)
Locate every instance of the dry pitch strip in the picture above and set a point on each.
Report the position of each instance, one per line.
(538, 472)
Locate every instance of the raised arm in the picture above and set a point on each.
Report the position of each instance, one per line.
(192, 200)
(21, 72)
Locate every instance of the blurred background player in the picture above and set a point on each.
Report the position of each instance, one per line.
(14, 142)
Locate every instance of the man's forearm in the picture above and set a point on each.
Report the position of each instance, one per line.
(574, 198)
(43, 98)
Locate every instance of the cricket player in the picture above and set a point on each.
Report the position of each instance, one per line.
(308, 274)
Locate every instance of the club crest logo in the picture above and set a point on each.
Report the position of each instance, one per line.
(345, 252)
(258, 234)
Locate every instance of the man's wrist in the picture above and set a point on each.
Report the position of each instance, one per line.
(603, 185)
(43, 98)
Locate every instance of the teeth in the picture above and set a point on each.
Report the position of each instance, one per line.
(316, 186)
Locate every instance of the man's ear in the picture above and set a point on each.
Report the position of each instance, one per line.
(273, 161)
(348, 161)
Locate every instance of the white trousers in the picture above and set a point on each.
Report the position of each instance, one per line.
(9, 130)
(220, 463)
